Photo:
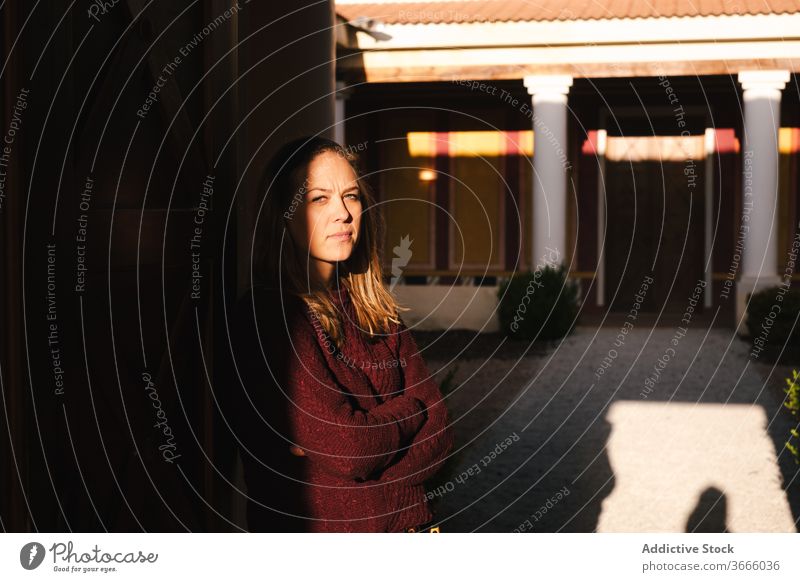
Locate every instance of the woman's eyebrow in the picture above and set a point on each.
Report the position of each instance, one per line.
(328, 190)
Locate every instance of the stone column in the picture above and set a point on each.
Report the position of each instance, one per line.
(549, 101)
(288, 92)
(762, 105)
(342, 92)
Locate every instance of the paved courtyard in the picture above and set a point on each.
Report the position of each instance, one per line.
(653, 432)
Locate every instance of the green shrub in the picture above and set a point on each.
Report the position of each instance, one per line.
(779, 326)
(792, 403)
(539, 305)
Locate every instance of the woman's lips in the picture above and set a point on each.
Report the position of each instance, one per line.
(342, 237)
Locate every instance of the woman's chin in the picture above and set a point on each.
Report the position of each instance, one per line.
(341, 253)
(338, 257)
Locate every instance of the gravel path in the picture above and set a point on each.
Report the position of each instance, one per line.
(552, 441)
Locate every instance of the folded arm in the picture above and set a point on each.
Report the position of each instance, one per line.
(434, 441)
(323, 418)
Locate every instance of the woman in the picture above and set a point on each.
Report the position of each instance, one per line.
(338, 418)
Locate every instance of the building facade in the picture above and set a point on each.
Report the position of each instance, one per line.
(628, 142)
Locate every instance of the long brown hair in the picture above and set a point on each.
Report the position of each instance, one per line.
(280, 264)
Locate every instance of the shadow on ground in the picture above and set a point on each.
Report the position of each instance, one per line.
(558, 475)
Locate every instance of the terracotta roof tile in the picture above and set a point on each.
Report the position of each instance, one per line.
(532, 10)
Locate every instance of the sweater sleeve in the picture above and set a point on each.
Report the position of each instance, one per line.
(322, 417)
(434, 442)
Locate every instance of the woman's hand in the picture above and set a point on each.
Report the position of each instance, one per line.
(297, 451)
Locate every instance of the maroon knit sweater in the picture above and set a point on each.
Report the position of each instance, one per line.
(369, 417)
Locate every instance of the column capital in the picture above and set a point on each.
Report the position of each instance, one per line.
(763, 80)
(548, 84)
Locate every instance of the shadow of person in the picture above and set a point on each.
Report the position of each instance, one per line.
(710, 514)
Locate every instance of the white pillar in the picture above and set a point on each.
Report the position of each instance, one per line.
(602, 242)
(550, 162)
(708, 226)
(762, 105)
(338, 129)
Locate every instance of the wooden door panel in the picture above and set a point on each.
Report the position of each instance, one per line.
(655, 227)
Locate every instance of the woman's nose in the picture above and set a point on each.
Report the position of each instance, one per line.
(341, 211)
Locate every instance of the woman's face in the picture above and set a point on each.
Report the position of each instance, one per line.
(326, 223)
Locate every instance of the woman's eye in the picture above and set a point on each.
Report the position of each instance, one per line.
(318, 198)
(353, 196)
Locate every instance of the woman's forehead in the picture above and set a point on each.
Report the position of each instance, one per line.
(330, 167)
